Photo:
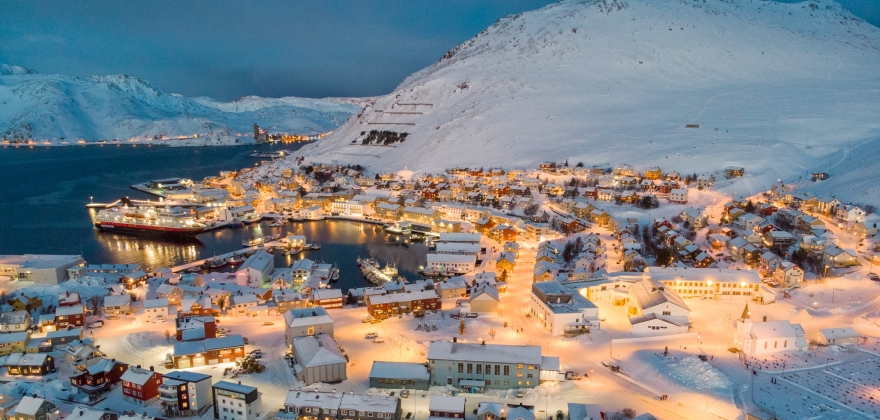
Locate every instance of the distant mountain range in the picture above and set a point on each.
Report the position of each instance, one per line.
(51, 107)
(779, 89)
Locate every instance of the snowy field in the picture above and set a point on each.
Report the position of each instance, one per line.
(782, 90)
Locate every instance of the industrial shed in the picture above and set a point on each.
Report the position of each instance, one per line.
(318, 359)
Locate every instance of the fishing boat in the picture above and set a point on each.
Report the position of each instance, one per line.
(260, 240)
(216, 262)
(315, 246)
(370, 270)
(334, 273)
(236, 259)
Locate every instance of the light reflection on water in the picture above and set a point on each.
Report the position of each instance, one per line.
(341, 243)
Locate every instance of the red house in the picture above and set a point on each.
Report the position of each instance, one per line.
(193, 328)
(591, 192)
(99, 377)
(70, 316)
(140, 386)
(69, 299)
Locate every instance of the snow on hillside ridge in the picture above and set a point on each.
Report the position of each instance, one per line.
(780, 89)
(51, 107)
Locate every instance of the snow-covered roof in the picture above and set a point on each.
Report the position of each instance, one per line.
(717, 275)
(194, 347)
(369, 403)
(137, 375)
(489, 407)
(400, 370)
(520, 412)
(457, 247)
(323, 400)
(259, 261)
(307, 316)
(14, 317)
(837, 333)
(324, 294)
(578, 411)
(494, 353)
(679, 321)
(156, 303)
(29, 405)
(550, 363)
(242, 299)
(166, 288)
(452, 258)
(117, 300)
(22, 359)
(185, 376)
(773, 329)
(459, 237)
(649, 294)
(70, 310)
(457, 282)
(84, 413)
(446, 404)
(317, 350)
(234, 387)
(401, 297)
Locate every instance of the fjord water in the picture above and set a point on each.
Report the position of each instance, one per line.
(44, 190)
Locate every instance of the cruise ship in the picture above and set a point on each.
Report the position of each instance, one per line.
(156, 221)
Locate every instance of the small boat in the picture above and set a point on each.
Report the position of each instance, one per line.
(195, 269)
(277, 223)
(315, 246)
(334, 273)
(216, 262)
(235, 260)
(293, 251)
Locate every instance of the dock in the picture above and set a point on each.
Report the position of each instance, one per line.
(268, 246)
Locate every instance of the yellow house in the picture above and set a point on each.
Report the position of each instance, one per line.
(653, 173)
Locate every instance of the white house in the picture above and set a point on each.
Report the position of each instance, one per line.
(748, 221)
(654, 324)
(117, 305)
(246, 305)
(234, 401)
(851, 214)
(757, 338)
(830, 336)
(649, 296)
(307, 321)
(256, 268)
(451, 263)
(678, 195)
(788, 274)
(562, 311)
(154, 310)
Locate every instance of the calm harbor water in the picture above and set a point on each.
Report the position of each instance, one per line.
(43, 192)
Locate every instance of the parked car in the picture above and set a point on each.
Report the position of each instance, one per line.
(379, 339)
(96, 324)
(572, 376)
(471, 315)
(367, 320)
(404, 393)
(375, 321)
(520, 393)
(371, 335)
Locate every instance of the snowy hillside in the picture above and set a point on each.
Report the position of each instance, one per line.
(50, 107)
(781, 89)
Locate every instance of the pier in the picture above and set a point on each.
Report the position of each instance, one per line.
(268, 247)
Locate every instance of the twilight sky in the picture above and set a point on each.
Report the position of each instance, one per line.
(227, 49)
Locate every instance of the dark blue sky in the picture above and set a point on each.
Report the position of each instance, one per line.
(228, 49)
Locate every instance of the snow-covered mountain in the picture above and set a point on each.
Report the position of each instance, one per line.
(49, 107)
(780, 89)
